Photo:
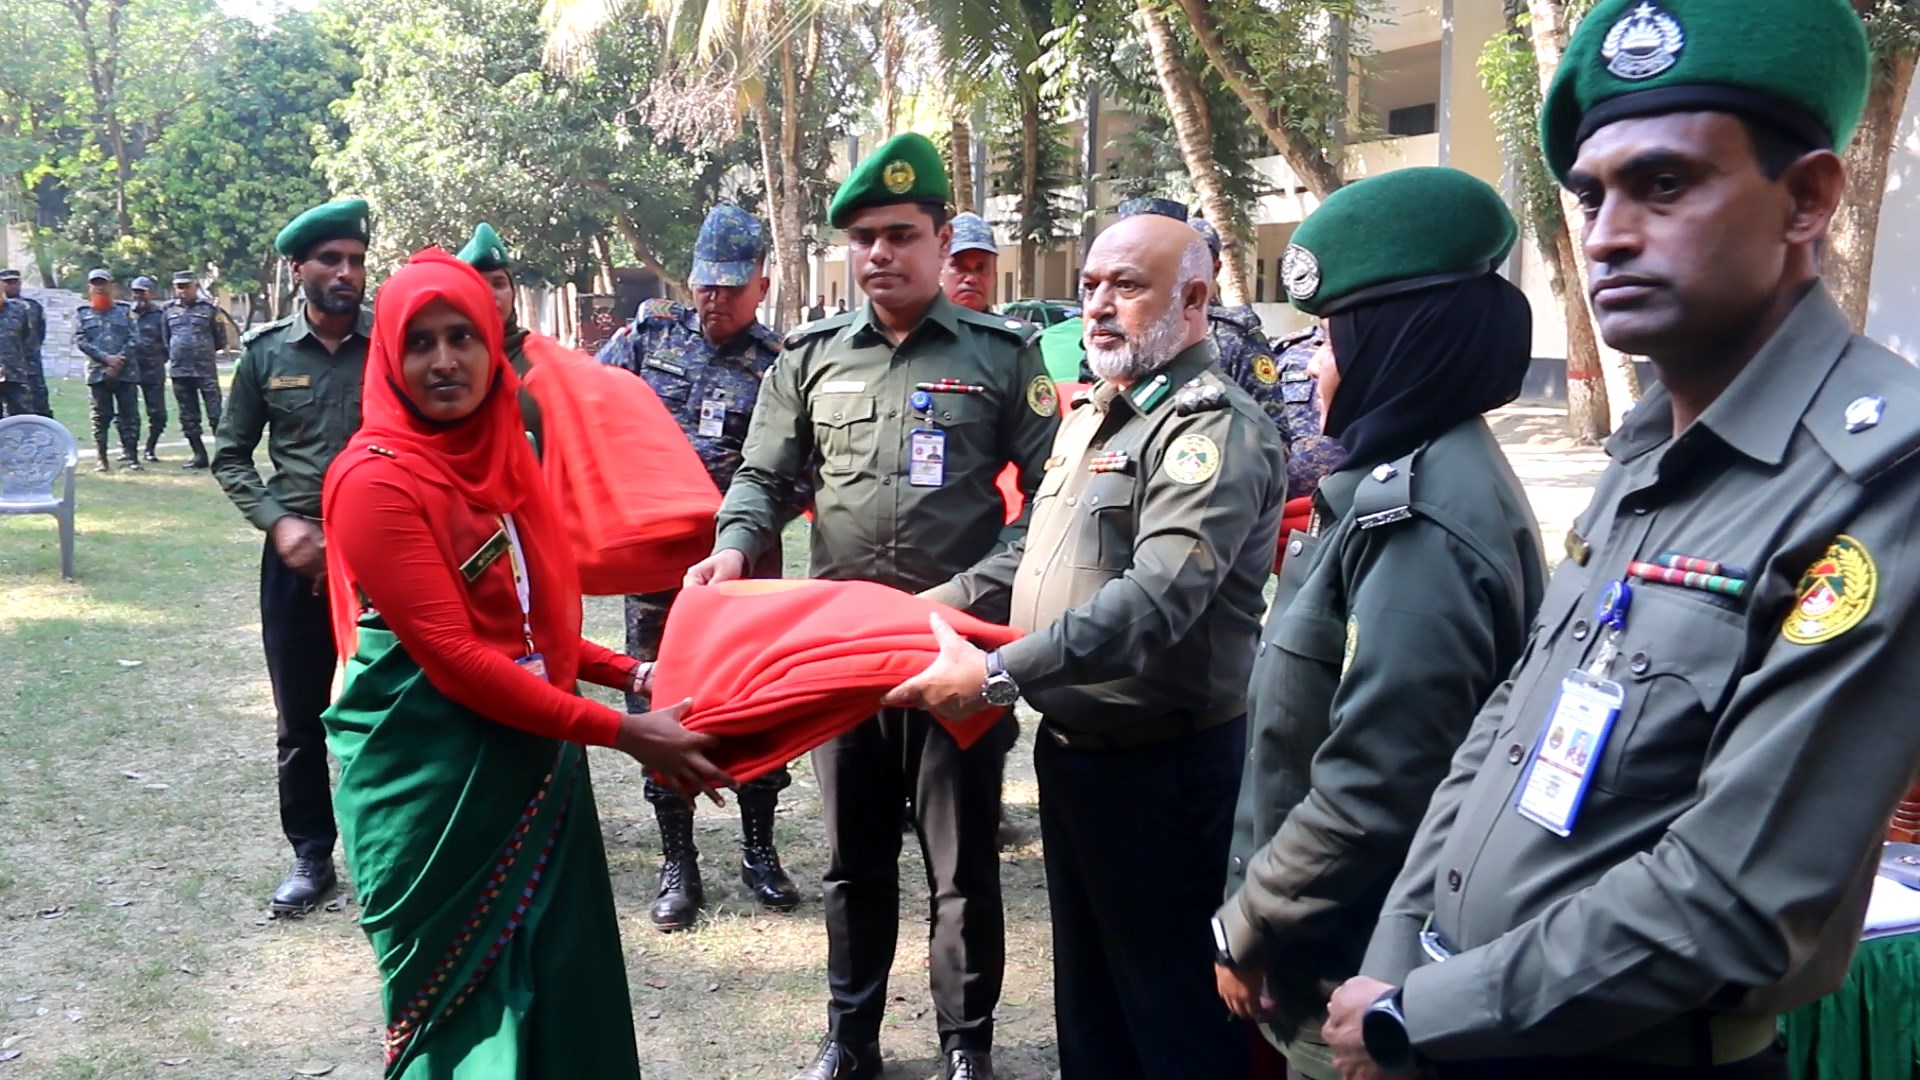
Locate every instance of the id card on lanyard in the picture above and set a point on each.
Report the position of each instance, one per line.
(1574, 737)
(535, 664)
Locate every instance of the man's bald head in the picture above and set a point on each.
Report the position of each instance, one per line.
(1144, 296)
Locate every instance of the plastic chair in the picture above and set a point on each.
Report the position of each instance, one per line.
(34, 452)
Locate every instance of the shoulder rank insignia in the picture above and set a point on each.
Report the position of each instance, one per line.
(1864, 413)
(657, 308)
(1149, 394)
(381, 450)
(1835, 594)
(1198, 396)
(1081, 398)
(1110, 461)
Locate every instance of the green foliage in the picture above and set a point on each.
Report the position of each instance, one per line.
(1512, 77)
(1292, 47)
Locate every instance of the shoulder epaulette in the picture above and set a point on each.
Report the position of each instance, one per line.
(280, 323)
(659, 307)
(1018, 329)
(1867, 414)
(814, 329)
(1282, 344)
(1240, 318)
(1201, 394)
(382, 451)
(1081, 398)
(1385, 497)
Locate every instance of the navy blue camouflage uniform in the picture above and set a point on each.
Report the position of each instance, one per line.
(36, 361)
(194, 335)
(710, 390)
(101, 335)
(16, 389)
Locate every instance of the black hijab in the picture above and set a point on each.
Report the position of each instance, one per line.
(1416, 365)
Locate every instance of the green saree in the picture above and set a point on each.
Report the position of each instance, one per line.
(476, 852)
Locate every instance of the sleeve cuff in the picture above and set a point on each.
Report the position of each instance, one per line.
(1244, 940)
(740, 538)
(266, 512)
(951, 594)
(1449, 1012)
(1022, 660)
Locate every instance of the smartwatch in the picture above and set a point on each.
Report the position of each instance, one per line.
(1222, 949)
(1383, 1029)
(1001, 691)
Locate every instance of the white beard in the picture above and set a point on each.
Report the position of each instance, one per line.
(1134, 360)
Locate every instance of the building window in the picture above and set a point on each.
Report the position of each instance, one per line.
(1414, 120)
(1259, 281)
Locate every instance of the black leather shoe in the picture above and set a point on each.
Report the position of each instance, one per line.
(308, 884)
(677, 904)
(967, 1065)
(150, 455)
(760, 869)
(199, 453)
(838, 1061)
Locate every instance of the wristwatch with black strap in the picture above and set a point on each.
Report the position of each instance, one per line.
(1383, 1028)
(1000, 689)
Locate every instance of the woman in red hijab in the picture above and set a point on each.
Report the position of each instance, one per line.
(464, 803)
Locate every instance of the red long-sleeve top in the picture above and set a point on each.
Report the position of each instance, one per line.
(465, 636)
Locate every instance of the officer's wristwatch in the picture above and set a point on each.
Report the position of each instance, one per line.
(1001, 690)
(1222, 948)
(1383, 1028)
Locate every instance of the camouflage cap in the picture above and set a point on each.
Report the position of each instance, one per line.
(1208, 233)
(185, 277)
(485, 251)
(9, 274)
(99, 273)
(729, 248)
(345, 219)
(972, 233)
(142, 283)
(1153, 205)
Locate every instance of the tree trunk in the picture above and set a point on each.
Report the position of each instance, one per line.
(1305, 154)
(960, 170)
(1030, 194)
(793, 256)
(1856, 227)
(1186, 102)
(893, 47)
(1588, 417)
(643, 255)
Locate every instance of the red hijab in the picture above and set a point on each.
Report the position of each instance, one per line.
(483, 460)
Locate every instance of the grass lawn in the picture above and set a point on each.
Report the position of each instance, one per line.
(140, 839)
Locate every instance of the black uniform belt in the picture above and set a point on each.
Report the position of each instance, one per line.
(1690, 1040)
(1160, 729)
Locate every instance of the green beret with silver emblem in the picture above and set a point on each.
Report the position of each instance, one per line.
(342, 220)
(905, 168)
(485, 251)
(1398, 232)
(1800, 65)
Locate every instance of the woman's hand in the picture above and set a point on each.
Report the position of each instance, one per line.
(657, 741)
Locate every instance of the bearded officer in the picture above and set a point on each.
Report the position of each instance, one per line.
(298, 384)
(103, 331)
(706, 363)
(148, 360)
(1140, 586)
(195, 333)
(36, 339)
(907, 411)
(1662, 833)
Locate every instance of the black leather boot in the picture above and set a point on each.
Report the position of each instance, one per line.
(199, 453)
(967, 1065)
(308, 884)
(838, 1061)
(677, 905)
(760, 868)
(153, 442)
(130, 454)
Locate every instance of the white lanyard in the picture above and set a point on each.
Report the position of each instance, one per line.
(521, 589)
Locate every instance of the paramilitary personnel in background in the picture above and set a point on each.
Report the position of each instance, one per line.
(909, 409)
(103, 331)
(1140, 585)
(972, 261)
(487, 253)
(16, 389)
(36, 342)
(194, 334)
(298, 383)
(706, 364)
(1663, 833)
(1404, 604)
(150, 359)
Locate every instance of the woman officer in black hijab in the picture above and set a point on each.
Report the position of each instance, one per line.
(1403, 607)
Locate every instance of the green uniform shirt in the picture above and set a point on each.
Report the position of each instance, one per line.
(516, 350)
(1140, 582)
(840, 391)
(307, 401)
(1723, 854)
(1394, 620)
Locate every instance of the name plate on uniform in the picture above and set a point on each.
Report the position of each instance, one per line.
(290, 382)
(488, 554)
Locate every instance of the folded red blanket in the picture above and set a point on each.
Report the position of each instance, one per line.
(779, 667)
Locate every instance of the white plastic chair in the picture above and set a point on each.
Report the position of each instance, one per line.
(34, 452)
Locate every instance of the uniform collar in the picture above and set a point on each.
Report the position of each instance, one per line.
(302, 328)
(1152, 393)
(1757, 413)
(866, 329)
(755, 336)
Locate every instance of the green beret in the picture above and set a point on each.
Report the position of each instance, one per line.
(343, 220)
(1800, 65)
(905, 168)
(485, 251)
(1397, 232)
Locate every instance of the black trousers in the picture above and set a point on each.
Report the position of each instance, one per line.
(188, 392)
(16, 399)
(298, 635)
(155, 394)
(1136, 848)
(865, 778)
(1770, 1064)
(116, 403)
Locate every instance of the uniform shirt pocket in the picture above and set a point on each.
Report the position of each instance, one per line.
(843, 429)
(1678, 661)
(290, 410)
(1108, 501)
(672, 388)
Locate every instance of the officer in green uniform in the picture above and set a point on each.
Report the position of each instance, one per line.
(1140, 586)
(908, 409)
(150, 358)
(486, 253)
(1661, 833)
(298, 383)
(1405, 602)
